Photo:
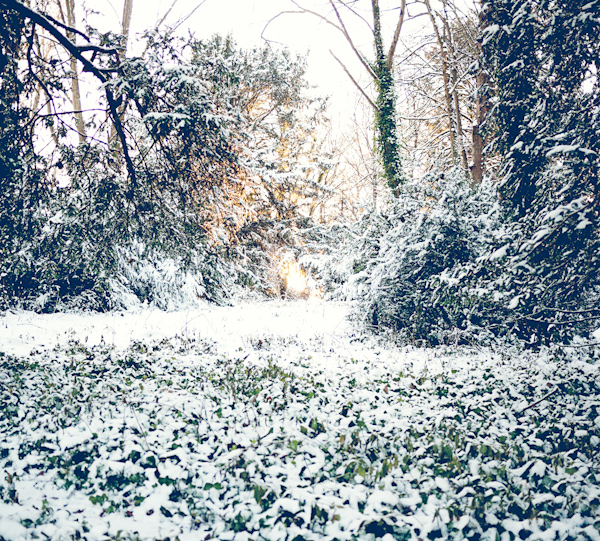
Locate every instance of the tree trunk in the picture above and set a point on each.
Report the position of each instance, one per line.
(481, 109)
(385, 115)
(459, 129)
(127, 10)
(446, 79)
(76, 93)
(126, 25)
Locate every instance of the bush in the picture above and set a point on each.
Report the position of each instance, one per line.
(446, 264)
(405, 266)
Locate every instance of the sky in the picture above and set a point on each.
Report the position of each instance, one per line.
(248, 22)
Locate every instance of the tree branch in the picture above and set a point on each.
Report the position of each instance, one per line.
(341, 27)
(540, 400)
(349, 40)
(371, 102)
(101, 74)
(392, 51)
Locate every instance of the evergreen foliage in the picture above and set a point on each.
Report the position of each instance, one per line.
(23, 190)
(519, 260)
(406, 263)
(225, 159)
(282, 155)
(543, 59)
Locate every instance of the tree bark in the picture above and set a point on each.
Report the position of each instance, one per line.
(75, 89)
(381, 70)
(460, 141)
(126, 25)
(446, 80)
(481, 109)
(385, 115)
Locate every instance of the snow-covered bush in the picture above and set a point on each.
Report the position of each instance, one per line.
(95, 249)
(446, 264)
(542, 273)
(148, 276)
(405, 266)
(541, 60)
(222, 164)
(523, 262)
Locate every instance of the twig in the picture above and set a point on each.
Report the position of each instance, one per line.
(540, 400)
(104, 75)
(371, 102)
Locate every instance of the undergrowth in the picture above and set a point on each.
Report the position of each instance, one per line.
(173, 440)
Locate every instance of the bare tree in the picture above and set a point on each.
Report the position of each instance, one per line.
(78, 112)
(481, 107)
(445, 41)
(60, 32)
(125, 27)
(438, 89)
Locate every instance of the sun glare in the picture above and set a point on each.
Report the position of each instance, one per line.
(294, 277)
(297, 282)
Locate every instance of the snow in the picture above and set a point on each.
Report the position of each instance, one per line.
(23, 332)
(271, 420)
(561, 148)
(499, 253)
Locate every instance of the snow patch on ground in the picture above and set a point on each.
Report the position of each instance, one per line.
(230, 327)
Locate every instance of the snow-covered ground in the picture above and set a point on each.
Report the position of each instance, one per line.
(278, 420)
(229, 327)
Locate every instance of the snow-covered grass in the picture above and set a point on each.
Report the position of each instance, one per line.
(279, 421)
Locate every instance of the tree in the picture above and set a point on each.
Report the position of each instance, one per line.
(67, 244)
(219, 146)
(546, 96)
(77, 107)
(439, 98)
(542, 60)
(103, 65)
(124, 38)
(380, 70)
(279, 148)
(527, 267)
(20, 186)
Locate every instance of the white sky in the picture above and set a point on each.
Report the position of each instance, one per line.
(246, 21)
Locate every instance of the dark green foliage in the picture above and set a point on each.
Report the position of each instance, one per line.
(407, 263)
(222, 149)
(283, 445)
(23, 189)
(542, 59)
(531, 270)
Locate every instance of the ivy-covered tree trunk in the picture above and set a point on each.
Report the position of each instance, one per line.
(385, 115)
(514, 58)
(10, 89)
